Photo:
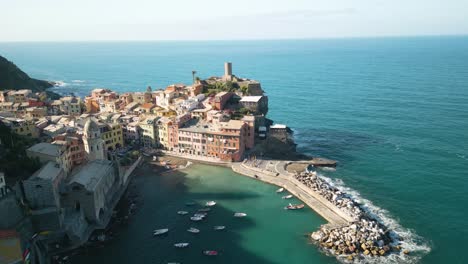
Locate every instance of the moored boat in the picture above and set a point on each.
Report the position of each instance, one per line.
(287, 196)
(280, 190)
(193, 230)
(201, 215)
(294, 206)
(240, 214)
(211, 203)
(196, 218)
(158, 232)
(182, 212)
(181, 245)
(210, 252)
(219, 227)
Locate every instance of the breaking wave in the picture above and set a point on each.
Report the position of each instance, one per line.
(408, 239)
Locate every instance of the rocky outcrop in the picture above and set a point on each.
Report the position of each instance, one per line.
(364, 237)
(13, 78)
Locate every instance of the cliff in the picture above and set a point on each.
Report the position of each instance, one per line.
(13, 78)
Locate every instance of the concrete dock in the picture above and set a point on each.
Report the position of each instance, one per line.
(274, 172)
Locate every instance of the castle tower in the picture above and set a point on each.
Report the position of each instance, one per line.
(227, 71)
(93, 143)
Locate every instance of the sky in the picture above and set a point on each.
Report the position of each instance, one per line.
(107, 20)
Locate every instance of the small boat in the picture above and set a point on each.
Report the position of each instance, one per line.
(280, 190)
(200, 215)
(219, 227)
(190, 203)
(287, 196)
(196, 219)
(182, 212)
(204, 210)
(181, 245)
(210, 203)
(193, 230)
(158, 232)
(240, 215)
(294, 206)
(210, 252)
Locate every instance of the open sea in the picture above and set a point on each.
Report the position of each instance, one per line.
(392, 111)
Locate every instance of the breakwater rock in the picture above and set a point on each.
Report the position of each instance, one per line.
(365, 236)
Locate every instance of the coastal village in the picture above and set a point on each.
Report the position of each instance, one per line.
(89, 147)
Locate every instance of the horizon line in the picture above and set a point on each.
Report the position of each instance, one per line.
(240, 39)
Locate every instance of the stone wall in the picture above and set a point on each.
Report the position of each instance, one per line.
(10, 212)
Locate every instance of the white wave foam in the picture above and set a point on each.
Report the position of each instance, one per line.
(408, 239)
(78, 81)
(60, 84)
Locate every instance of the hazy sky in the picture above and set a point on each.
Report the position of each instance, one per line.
(38, 20)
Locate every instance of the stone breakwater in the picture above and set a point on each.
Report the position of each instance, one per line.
(363, 237)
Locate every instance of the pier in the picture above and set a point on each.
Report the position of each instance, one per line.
(274, 172)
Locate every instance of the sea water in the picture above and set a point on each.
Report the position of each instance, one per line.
(392, 111)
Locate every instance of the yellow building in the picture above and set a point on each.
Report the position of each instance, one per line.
(149, 130)
(163, 131)
(112, 135)
(162, 112)
(22, 127)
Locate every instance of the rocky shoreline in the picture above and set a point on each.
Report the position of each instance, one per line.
(365, 236)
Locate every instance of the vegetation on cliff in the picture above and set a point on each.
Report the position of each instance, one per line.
(13, 78)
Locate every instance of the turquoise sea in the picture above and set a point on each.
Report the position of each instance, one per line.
(392, 111)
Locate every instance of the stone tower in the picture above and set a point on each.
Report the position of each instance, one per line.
(93, 144)
(227, 71)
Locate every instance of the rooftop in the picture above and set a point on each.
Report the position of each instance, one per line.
(50, 171)
(252, 99)
(46, 149)
(92, 173)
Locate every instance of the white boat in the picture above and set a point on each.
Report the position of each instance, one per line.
(181, 245)
(193, 230)
(158, 232)
(182, 212)
(287, 196)
(196, 219)
(219, 227)
(202, 215)
(280, 190)
(210, 203)
(240, 215)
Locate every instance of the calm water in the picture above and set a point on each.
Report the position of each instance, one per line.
(393, 111)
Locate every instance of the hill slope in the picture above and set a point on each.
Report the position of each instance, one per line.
(13, 78)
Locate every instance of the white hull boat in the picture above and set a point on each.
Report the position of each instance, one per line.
(182, 212)
(240, 215)
(199, 215)
(219, 227)
(193, 230)
(181, 245)
(280, 190)
(211, 203)
(159, 232)
(196, 219)
(287, 196)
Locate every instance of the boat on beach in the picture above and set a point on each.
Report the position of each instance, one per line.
(211, 203)
(158, 232)
(294, 206)
(280, 190)
(219, 227)
(181, 245)
(287, 196)
(210, 253)
(240, 215)
(182, 212)
(193, 230)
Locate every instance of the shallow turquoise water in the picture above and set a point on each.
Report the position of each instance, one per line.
(269, 234)
(393, 111)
